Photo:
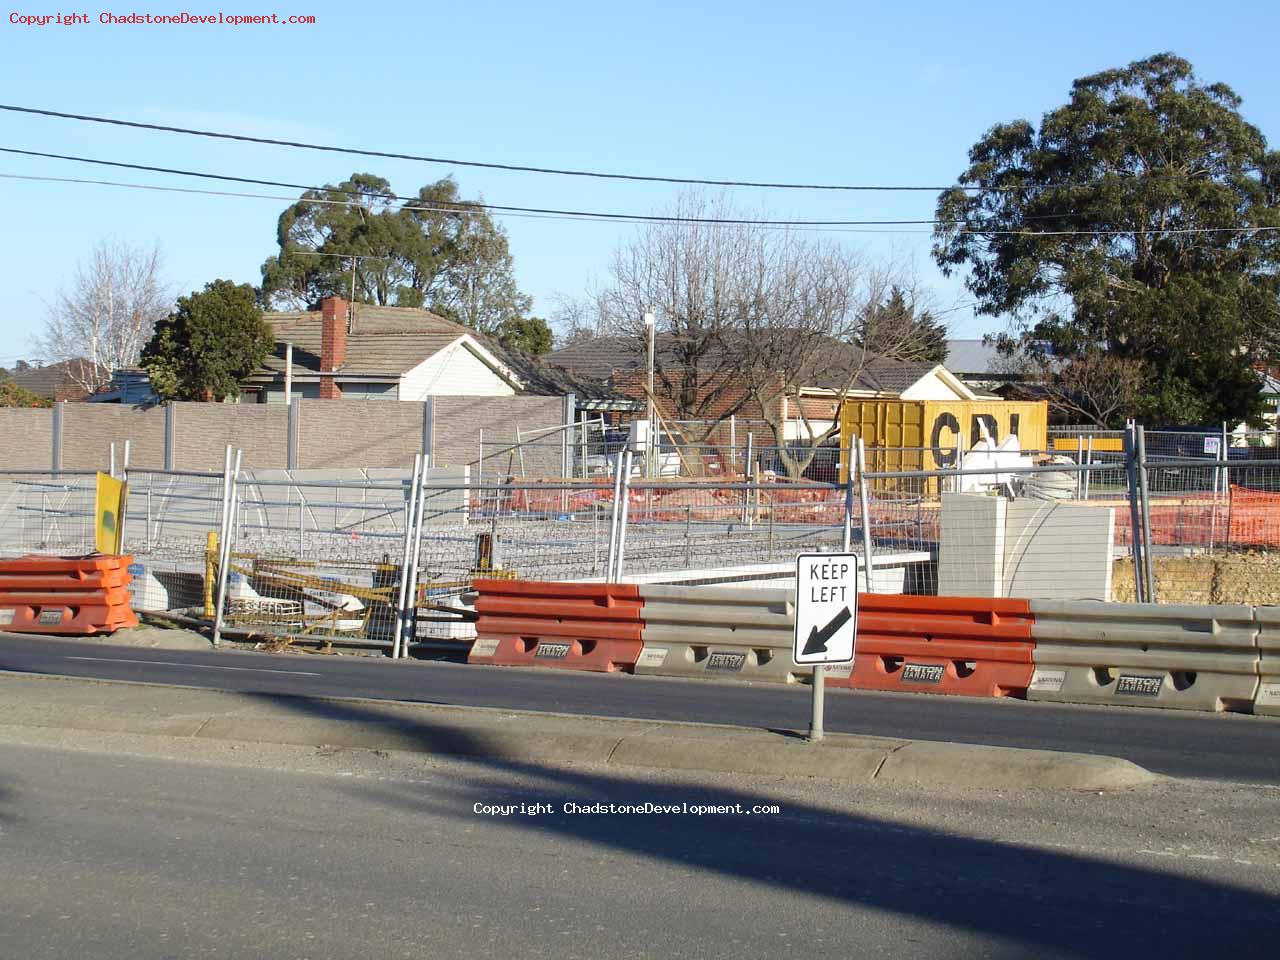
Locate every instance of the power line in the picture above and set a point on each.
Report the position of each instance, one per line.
(958, 307)
(487, 165)
(464, 205)
(583, 217)
(596, 218)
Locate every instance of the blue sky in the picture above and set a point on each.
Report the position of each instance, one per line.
(814, 92)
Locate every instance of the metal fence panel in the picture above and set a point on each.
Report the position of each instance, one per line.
(47, 512)
(1063, 529)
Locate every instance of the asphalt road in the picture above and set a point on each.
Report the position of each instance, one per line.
(1213, 746)
(110, 854)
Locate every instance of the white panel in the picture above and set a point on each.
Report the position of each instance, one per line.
(453, 372)
(1058, 551)
(971, 552)
(931, 387)
(796, 430)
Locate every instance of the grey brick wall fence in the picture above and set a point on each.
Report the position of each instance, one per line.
(459, 420)
(26, 438)
(311, 434)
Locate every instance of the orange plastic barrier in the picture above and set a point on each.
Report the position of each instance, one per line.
(66, 595)
(72, 566)
(572, 626)
(98, 580)
(969, 646)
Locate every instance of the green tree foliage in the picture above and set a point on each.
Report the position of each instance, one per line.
(892, 328)
(1122, 224)
(434, 250)
(213, 339)
(531, 336)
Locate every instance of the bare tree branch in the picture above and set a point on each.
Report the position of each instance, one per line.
(577, 320)
(688, 275)
(105, 314)
(1092, 387)
(752, 318)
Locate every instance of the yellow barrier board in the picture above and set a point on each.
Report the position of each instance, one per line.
(1100, 444)
(108, 512)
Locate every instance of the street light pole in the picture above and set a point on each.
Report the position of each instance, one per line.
(650, 322)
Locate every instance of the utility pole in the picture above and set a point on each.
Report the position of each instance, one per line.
(355, 261)
(650, 322)
(355, 265)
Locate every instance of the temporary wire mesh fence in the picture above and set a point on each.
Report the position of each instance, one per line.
(1059, 529)
(563, 531)
(733, 449)
(536, 456)
(330, 602)
(47, 512)
(355, 515)
(708, 531)
(1066, 530)
(322, 555)
(168, 518)
(1019, 530)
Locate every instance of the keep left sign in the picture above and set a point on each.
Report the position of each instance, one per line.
(826, 608)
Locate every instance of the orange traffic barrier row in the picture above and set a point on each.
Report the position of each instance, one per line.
(1194, 657)
(68, 620)
(109, 597)
(967, 646)
(66, 595)
(97, 580)
(92, 563)
(970, 646)
(572, 626)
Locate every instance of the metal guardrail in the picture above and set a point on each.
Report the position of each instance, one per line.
(1168, 655)
(1267, 702)
(743, 633)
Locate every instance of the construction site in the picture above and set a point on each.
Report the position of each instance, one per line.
(384, 558)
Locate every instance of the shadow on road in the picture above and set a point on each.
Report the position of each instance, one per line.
(7, 795)
(1231, 747)
(1038, 902)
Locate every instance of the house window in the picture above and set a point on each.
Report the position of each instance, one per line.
(368, 391)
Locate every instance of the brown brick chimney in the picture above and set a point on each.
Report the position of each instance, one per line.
(333, 344)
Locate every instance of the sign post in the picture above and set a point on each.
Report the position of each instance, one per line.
(826, 619)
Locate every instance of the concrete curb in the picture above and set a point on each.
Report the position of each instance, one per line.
(515, 737)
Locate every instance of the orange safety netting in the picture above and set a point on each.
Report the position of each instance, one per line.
(1254, 518)
(551, 500)
(1249, 518)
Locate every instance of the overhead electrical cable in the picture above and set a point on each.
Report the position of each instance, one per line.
(491, 165)
(464, 205)
(617, 218)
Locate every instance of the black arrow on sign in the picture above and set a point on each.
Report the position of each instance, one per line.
(817, 642)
